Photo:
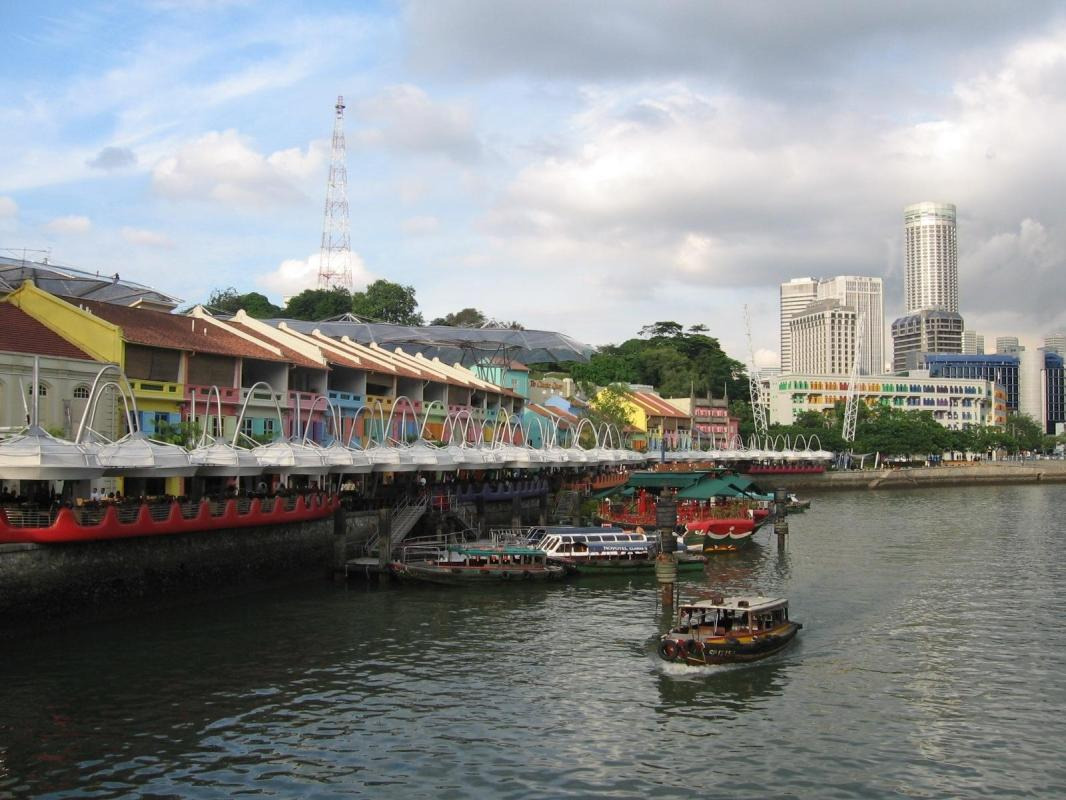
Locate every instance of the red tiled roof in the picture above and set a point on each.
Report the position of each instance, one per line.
(553, 413)
(175, 331)
(656, 406)
(21, 333)
(288, 354)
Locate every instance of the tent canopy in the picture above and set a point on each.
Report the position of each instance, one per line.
(665, 480)
(728, 486)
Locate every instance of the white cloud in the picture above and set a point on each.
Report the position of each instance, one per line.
(72, 225)
(408, 121)
(295, 275)
(420, 226)
(147, 238)
(223, 167)
(8, 207)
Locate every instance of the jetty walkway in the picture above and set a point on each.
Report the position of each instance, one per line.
(957, 474)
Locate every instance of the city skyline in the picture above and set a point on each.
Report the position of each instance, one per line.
(640, 165)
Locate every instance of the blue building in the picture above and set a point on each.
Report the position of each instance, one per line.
(1003, 369)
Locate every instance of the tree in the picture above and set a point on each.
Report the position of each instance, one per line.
(319, 304)
(254, 304)
(1025, 431)
(467, 318)
(662, 330)
(385, 301)
(610, 406)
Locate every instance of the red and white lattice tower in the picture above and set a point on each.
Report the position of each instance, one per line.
(335, 260)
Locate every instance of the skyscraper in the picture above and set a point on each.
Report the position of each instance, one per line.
(931, 274)
(796, 295)
(1056, 343)
(973, 343)
(866, 296)
(863, 295)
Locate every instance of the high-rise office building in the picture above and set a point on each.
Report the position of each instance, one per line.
(796, 295)
(866, 296)
(1056, 343)
(922, 332)
(931, 269)
(1008, 345)
(863, 295)
(823, 339)
(973, 343)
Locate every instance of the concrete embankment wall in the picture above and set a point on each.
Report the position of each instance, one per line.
(974, 474)
(54, 585)
(44, 586)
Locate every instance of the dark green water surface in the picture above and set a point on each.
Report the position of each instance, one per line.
(932, 664)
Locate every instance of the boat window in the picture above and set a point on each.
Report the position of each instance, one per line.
(568, 539)
(595, 539)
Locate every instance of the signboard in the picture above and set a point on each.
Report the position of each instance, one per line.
(666, 514)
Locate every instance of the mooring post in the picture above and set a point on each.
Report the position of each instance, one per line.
(384, 542)
(340, 543)
(516, 512)
(781, 517)
(666, 561)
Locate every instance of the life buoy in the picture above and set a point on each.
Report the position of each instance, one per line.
(668, 649)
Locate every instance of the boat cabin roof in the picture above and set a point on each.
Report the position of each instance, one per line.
(739, 603)
(489, 550)
(556, 530)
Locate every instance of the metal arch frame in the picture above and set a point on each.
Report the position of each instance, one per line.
(244, 407)
(132, 423)
(332, 416)
(408, 404)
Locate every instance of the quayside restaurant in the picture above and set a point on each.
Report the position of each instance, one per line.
(279, 373)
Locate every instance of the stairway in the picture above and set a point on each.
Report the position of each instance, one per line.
(405, 517)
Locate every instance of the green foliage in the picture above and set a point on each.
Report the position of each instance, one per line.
(385, 301)
(184, 433)
(676, 362)
(610, 406)
(467, 318)
(229, 301)
(319, 304)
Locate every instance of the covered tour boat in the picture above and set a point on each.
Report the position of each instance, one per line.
(605, 550)
(475, 563)
(724, 630)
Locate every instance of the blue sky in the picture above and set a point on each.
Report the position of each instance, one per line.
(573, 168)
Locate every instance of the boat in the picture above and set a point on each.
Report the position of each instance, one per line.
(795, 505)
(474, 564)
(591, 550)
(712, 536)
(726, 630)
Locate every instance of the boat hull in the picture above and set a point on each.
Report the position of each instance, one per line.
(460, 575)
(727, 650)
(625, 566)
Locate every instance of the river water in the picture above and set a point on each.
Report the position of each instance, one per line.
(932, 664)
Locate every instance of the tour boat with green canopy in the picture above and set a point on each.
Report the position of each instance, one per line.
(474, 563)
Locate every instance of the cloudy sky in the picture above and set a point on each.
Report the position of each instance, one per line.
(572, 168)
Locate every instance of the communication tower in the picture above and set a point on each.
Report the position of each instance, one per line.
(335, 260)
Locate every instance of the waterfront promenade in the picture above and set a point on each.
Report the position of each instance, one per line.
(965, 474)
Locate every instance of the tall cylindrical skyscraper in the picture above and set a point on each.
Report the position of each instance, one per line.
(931, 277)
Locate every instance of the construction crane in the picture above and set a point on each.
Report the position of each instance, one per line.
(758, 397)
(851, 405)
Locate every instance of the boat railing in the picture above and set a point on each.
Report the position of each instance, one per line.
(509, 535)
(104, 521)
